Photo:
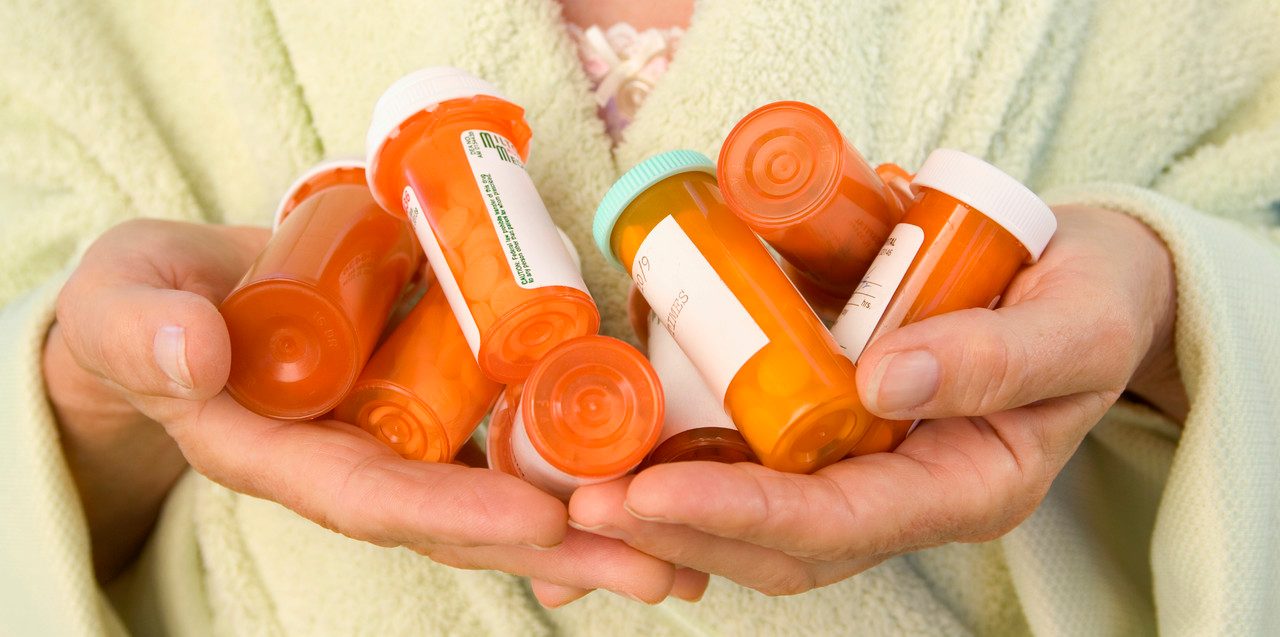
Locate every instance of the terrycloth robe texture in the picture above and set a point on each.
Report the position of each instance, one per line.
(1168, 110)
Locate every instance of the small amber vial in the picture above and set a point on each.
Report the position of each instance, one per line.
(422, 393)
(448, 150)
(787, 171)
(695, 426)
(714, 286)
(306, 316)
(960, 243)
(590, 411)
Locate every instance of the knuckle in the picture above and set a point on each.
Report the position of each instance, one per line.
(1000, 364)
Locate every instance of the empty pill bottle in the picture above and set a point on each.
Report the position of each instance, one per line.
(714, 286)
(959, 244)
(448, 150)
(589, 412)
(695, 426)
(422, 393)
(786, 170)
(307, 314)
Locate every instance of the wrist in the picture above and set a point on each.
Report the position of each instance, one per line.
(1157, 379)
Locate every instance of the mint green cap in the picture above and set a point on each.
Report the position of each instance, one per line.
(635, 181)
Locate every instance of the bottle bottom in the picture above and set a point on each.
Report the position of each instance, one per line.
(714, 444)
(294, 353)
(399, 420)
(820, 436)
(522, 336)
(882, 436)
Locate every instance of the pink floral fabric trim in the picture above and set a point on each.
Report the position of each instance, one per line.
(623, 65)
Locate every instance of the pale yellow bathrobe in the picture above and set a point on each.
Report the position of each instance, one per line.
(1165, 109)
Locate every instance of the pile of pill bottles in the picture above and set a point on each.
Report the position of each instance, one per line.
(306, 316)
(762, 351)
(760, 375)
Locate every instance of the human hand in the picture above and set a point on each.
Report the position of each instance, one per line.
(137, 362)
(1013, 392)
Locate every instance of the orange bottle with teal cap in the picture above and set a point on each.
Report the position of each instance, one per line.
(305, 317)
(786, 170)
(422, 393)
(447, 150)
(590, 411)
(969, 230)
(712, 284)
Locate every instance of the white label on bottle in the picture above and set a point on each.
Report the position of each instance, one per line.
(862, 313)
(693, 303)
(529, 238)
(690, 403)
(440, 267)
(537, 471)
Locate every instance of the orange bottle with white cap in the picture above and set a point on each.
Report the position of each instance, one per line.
(786, 171)
(422, 393)
(306, 316)
(590, 411)
(448, 150)
(960, 243)
(754, 340)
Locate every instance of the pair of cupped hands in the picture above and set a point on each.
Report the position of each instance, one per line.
(136, 362)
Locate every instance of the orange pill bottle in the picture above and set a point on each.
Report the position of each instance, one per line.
(448, 150)
(422, 393)
(761, 350)
(306, 316)
(590, 411)
(695, 426)
(786, 171)
(964, 237)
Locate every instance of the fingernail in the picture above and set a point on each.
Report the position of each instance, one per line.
(904, 380)
(170, 351)
(636, 598)
(602, 530)
(647, 518)
(539, 547)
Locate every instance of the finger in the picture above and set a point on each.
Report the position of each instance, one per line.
(140, 310)
(978, 362)
(600, 508)
(690, 585)
(958, 479)
(555, 595)
(582, 561)
(344, 479)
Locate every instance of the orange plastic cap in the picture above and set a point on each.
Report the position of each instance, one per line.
(781, 163)
(299, 350)
(593, 407)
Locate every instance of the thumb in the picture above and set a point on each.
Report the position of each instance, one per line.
(140, 310)
(979, 362)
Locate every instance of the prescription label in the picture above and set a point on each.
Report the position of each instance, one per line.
(529, 238)
(440, 267)
(695, 306)
(697, 407)
(862, 313)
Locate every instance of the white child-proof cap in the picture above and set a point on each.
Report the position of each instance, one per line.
(995, 194)
(414, 93)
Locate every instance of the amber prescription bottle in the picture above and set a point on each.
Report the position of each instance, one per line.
(969, 230)
(448, 150)
(590, 411)
(306, 316)
(715, 287)
(786, 171)
(695, 426)
(422, 393)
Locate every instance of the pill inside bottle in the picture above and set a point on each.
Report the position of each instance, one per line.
(754, 340)
(422, 393)
(590, 411)
(305, 317)
(787, 171)
(969, 230)
(448, 150)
